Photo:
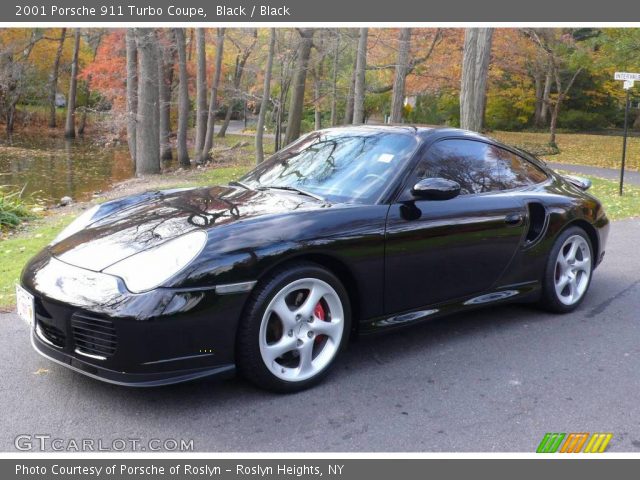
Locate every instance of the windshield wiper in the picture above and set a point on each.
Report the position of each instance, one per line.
(235, 183)
(291, 189)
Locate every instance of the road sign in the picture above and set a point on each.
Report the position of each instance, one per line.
(626, 76)
(629, 79)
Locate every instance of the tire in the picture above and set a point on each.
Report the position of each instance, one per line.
(568, 272)
(295, 324)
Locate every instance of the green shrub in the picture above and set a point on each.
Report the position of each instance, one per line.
(508, 112)
(431, 109)
(13, 209)
(581, 120)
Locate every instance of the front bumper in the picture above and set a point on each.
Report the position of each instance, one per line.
(124, 378)
(89, 322)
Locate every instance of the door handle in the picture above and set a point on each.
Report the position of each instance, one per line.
(514, 219)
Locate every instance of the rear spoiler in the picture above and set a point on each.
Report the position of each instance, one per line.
(580, 182)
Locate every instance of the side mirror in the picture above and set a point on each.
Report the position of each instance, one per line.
(580, 182)
(436, 189)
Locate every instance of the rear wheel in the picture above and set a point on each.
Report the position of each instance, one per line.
(568, 271)
(297, 322)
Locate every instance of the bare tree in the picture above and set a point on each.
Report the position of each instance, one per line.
(70, 125)
(201, 93)
(334, 79)
(411, 65)
(241, 60)
(93, 39)
(288, 58)
(544, 109)
(475, 70)
(317, 96)
(148, 111)
(348, 109)
(132, 91)
(13, 65)
(166, 63)
(296, 104)
(400, 78)
(213, 101)
(556, 52)
(183, 99)
(266, 93)
(53, 79)
(359, 86)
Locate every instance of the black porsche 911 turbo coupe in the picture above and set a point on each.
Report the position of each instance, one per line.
(349, 230)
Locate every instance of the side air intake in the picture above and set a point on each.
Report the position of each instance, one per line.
(537, 221)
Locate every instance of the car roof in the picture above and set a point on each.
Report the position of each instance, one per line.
(422, 131)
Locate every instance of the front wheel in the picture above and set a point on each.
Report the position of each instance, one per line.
(568, 271)
(295, 325)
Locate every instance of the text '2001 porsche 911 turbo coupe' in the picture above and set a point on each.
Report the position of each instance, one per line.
(347, 231)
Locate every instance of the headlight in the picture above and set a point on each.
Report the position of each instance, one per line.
(77, 225)
(151, 268)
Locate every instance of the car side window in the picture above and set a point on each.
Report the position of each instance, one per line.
(477, 166)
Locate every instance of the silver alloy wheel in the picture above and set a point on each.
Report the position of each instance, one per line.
(573, 270)
(301, 329)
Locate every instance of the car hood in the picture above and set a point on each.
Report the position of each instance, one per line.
(128, 226)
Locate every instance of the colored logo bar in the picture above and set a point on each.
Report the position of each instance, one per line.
(574, 442)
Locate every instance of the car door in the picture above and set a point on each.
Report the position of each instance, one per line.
(441, 250)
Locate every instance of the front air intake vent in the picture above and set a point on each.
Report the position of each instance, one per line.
(50, 332)
(94, 336)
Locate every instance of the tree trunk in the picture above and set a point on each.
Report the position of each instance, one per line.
(166, 62)
(402, 66)
(539, 90)
(334, 82)
(296, 104)
(183, 99)
(53, 79)
(201, 93)
(317, 95)
(132, 91)
(266, 92)
(544, 110)
(148, 111)
(70, 125)
(359, 86)
(561, 95)
(213, 101)
(225, 123)
(87, 94)
(553, 124)
(348, 109)
(317, 113)
(475, 70)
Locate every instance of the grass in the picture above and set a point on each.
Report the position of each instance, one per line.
(16, 249)
(14, 209)
(617, 207)
(578, 149)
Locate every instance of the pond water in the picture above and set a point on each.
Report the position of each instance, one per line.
(51, 167)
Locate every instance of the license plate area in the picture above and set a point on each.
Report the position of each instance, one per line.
(25, 306)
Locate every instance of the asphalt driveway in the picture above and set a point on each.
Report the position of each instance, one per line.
(494, 380)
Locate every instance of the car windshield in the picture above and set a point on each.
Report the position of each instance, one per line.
(337, 165)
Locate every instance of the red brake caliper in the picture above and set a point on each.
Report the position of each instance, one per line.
(320, 314)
